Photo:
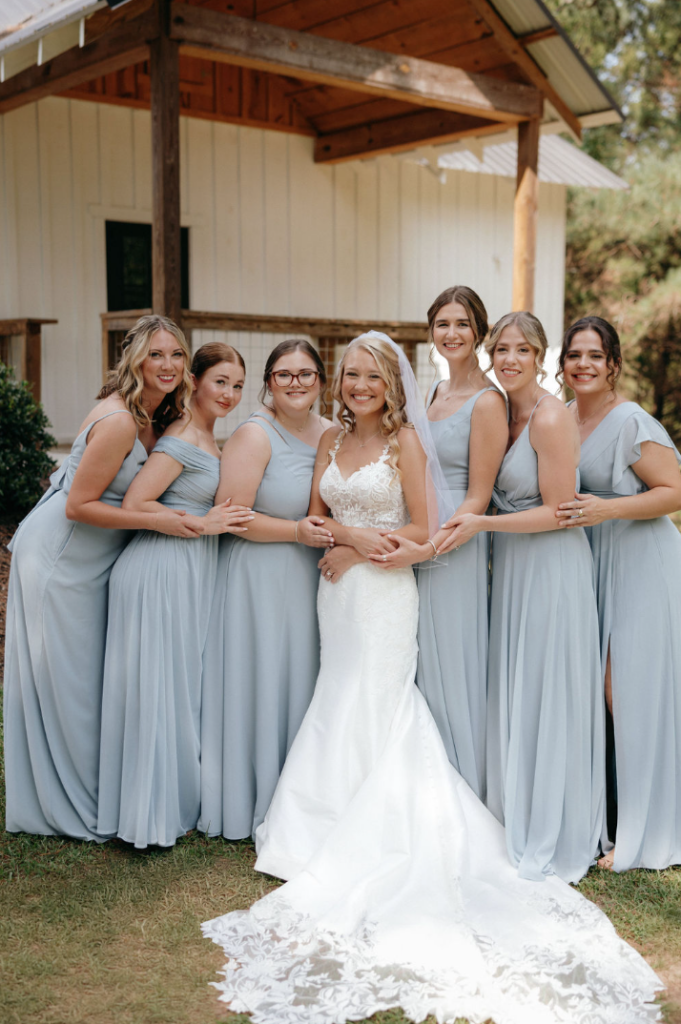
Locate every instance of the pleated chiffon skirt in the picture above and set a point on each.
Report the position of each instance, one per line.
(452, 663)
(259, 670)
(545, 743)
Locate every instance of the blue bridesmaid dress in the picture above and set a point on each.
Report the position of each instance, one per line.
(56, 628)
(638, 572)
(453, 618)
(262, 657)
(159, 605)
(545, 736)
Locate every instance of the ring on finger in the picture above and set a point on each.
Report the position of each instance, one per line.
(580, 512)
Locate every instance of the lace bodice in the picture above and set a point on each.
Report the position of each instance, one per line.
(372, 496)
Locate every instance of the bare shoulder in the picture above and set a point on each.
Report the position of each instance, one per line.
(328, 424)
(408, 440)
(182, 428)
(119, 429)
(552, 418)
(490, 403)
(330, 434)
(249, 436)
(328, 439)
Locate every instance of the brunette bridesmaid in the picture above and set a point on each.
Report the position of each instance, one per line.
(57, 602)
(262, 656)
(159, 605)
(630, 483)
(545, 735)
(467, 418)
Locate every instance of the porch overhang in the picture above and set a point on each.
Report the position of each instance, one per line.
(364, 80)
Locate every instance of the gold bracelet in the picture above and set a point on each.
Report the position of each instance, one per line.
(295, 533)
(434, 554)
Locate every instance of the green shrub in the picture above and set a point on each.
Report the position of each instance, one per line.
(24, 442)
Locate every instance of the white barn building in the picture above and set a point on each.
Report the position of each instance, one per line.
(272, 229)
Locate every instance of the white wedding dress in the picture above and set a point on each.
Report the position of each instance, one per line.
(399, 888)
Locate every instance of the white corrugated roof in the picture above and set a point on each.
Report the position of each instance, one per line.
(563, 65)
(560, 163)
(20, 19)
(33, 31)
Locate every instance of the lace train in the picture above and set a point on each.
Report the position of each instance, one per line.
(285, 970)
(400, 890)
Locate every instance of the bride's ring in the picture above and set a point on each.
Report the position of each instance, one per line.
(329, 574)
(580, 512)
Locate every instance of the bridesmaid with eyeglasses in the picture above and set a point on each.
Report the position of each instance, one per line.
(629, 484)
(262, 656)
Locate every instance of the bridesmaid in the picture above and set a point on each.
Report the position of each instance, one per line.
(467, 419)
(57, 602)
(159, 604)
(262, 658)
(545, 736)
(630, 479)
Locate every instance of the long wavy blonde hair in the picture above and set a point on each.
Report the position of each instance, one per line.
(394, 411)
(126, 378)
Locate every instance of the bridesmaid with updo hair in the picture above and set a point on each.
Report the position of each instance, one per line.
(545, 729)
(159, 606)
(262, 656)
(63, 553)
(629, 484)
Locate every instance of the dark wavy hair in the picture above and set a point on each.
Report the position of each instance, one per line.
(610, 341)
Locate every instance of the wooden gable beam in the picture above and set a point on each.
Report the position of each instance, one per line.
(398, 134)
(124, 45)
(255, 44)
(515, 48)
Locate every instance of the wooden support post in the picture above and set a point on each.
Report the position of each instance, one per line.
(327, 351)
(165, 142)
(525, 216)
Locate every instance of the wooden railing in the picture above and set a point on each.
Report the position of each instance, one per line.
(326, 332)
(20, 348)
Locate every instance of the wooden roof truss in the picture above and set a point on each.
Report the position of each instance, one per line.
(364, 77)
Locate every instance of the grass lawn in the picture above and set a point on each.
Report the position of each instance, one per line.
(106, 935)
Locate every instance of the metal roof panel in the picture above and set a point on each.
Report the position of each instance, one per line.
(560, 163)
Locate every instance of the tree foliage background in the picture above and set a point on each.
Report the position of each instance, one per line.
(624, 248)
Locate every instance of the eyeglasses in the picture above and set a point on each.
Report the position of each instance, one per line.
(306, 378)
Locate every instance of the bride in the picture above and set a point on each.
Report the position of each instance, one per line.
(399, 890)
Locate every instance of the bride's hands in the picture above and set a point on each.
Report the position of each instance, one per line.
(336, 561)
(407, 552)
(226, 518)
(313, 532)
(371, 542)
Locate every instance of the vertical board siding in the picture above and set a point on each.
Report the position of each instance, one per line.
(269, 232)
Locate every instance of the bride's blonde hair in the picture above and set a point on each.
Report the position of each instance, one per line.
(394, 411)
